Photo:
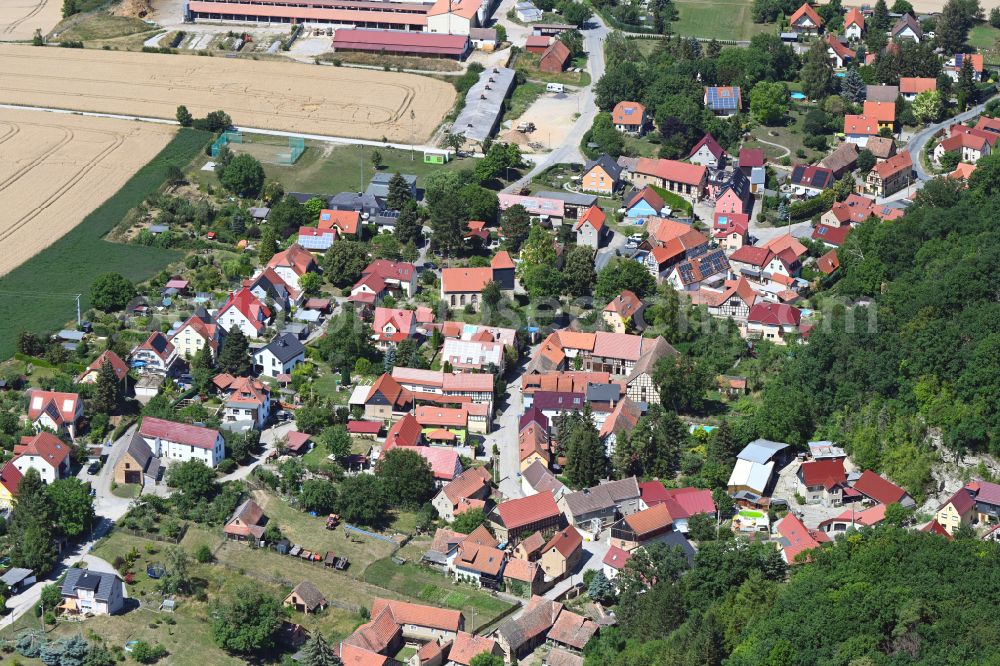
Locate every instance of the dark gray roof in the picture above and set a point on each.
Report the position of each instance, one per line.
(541, 479)
(608, 164)
(285, 347)
(359, 201)
(15, 576)
(572, 198)
(603, 392)
(83, 579)
(143, 455)
(602, 497)
(310, 594)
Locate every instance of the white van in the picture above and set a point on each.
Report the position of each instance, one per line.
(554, 87)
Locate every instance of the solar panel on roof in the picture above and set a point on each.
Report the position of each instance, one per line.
(721, 99)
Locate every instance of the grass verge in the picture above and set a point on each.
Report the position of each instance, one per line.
(39, 294)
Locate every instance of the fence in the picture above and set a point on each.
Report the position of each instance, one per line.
(225, 139)
(296, 146)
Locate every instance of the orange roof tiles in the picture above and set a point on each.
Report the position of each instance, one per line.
(517, 513)
(883, 112)
(465, 280)
(627, 113)
(420, 615)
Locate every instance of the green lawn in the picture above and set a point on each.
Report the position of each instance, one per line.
(675, 201)
(327, 168)
(527, 64)
(790, 136)
(39, 294)
(718, 19)
(431, 587)
(523, 96)
(986, 39)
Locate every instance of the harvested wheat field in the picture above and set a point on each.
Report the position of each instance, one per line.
(57, 168)
(20, 18)
(263, 94)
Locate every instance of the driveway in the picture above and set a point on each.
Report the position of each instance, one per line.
(569, 150)
(593, 560)
(268, 438)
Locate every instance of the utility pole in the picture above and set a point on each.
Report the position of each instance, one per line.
(413, 133)
(79, 321)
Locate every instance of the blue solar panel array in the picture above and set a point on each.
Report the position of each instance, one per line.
(721, 100)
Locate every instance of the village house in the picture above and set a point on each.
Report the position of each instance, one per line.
(472, 484)
(530, 549)
(773, 322)
(911, 86)
(291, 264)
(652, 525)
(387, 400)
(602, 175)
(522, 577)
(268, 285)
(464, 286)
(751, 162)
(399, 277)
(622, 418)
(733, 196)
(86, 592)
(681, 503)
(705, 270)
(669, 243)
(592, 509)
(841, 161)
(465, 647)
(570, 632)
(89, 376)
(840, 54)
(882, 147)
(537, 43)
(687, 180)
(828, 263)
(732, 302)
(987, 496)
(620, 313)
(55, 411)
(854, 24)
(708, 152)
(315, 239)
(723, 101)
(590, 229)
(614, 561)
(562, 553)
(46, 454)
(345, 223)
(732, 231)
(543, 207)
(630, 118)
(853, 517)
(860, 129)
(244, 311)
(137, 463)
(884, 113)
(533, 445)
(515, 518)
(10, 477)
(198, 330)
(156, 356)
(906, 27)
(890, 176)
(805, 20)
(822, 481)
(280, 356)
(953, 66)
(957, 510)
(877, 489)
(794, 539)
(474, 355)
(393, 325)
(247, 523)
(180, 442)
(247, 402)
(811, 180)
(464, 386)
(537, 479)
(969, 143)
(519, 636)
(478, 560)
(642, 204)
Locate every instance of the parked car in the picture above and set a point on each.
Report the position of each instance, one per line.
(94, 467)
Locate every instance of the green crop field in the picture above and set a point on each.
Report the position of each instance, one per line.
(718, 19)
(39, 294)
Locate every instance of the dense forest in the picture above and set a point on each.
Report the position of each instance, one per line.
(881, 596)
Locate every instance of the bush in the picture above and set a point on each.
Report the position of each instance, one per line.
(144, 653)
(226, 466)
(203, 554)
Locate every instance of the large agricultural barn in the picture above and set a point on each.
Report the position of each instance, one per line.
(451, 17)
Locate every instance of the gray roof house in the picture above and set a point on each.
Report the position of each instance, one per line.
(610, 166)
(379, 184)
(756, 464)
(601, 505)
(85, 591)
(18, 579)
(280, 356)
(138, 450)
(361, 202)
(538, 479)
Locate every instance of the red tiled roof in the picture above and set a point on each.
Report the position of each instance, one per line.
(344, 221)
(364, 427)
(61, 407)
(860, 124)
(182, 433)
(807, 11)
(517, 513)
(842, 51)
(557, 51)
(404, 432)
(420, 615)
(827, 473)
(672, 170)
(399, 41)
(10, 476)
(626, 304)
(295, 440)
(854, 16)
(877, 488)
(649, 195)
(895, 164)
(466, 646)
(751, 157)
(799, 538)
(566, 541)
(616, 558)
(296, 257)
(593, 216)
(713, 146)
(391, 389)
(828, 263)
(117, 364)
(46, 446)
(443, 461)
(962, 500)
(572, 629)
(775, 314)
(868, 517)
(914, 85)
(831, 235)
(650, 520)
(470, 482)
(501, 260)
(883, 112)
(390, 270)
(522, 570)
(627, 113)
(934, 527)
(428, 415)
(465, 279)
(249, 306)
